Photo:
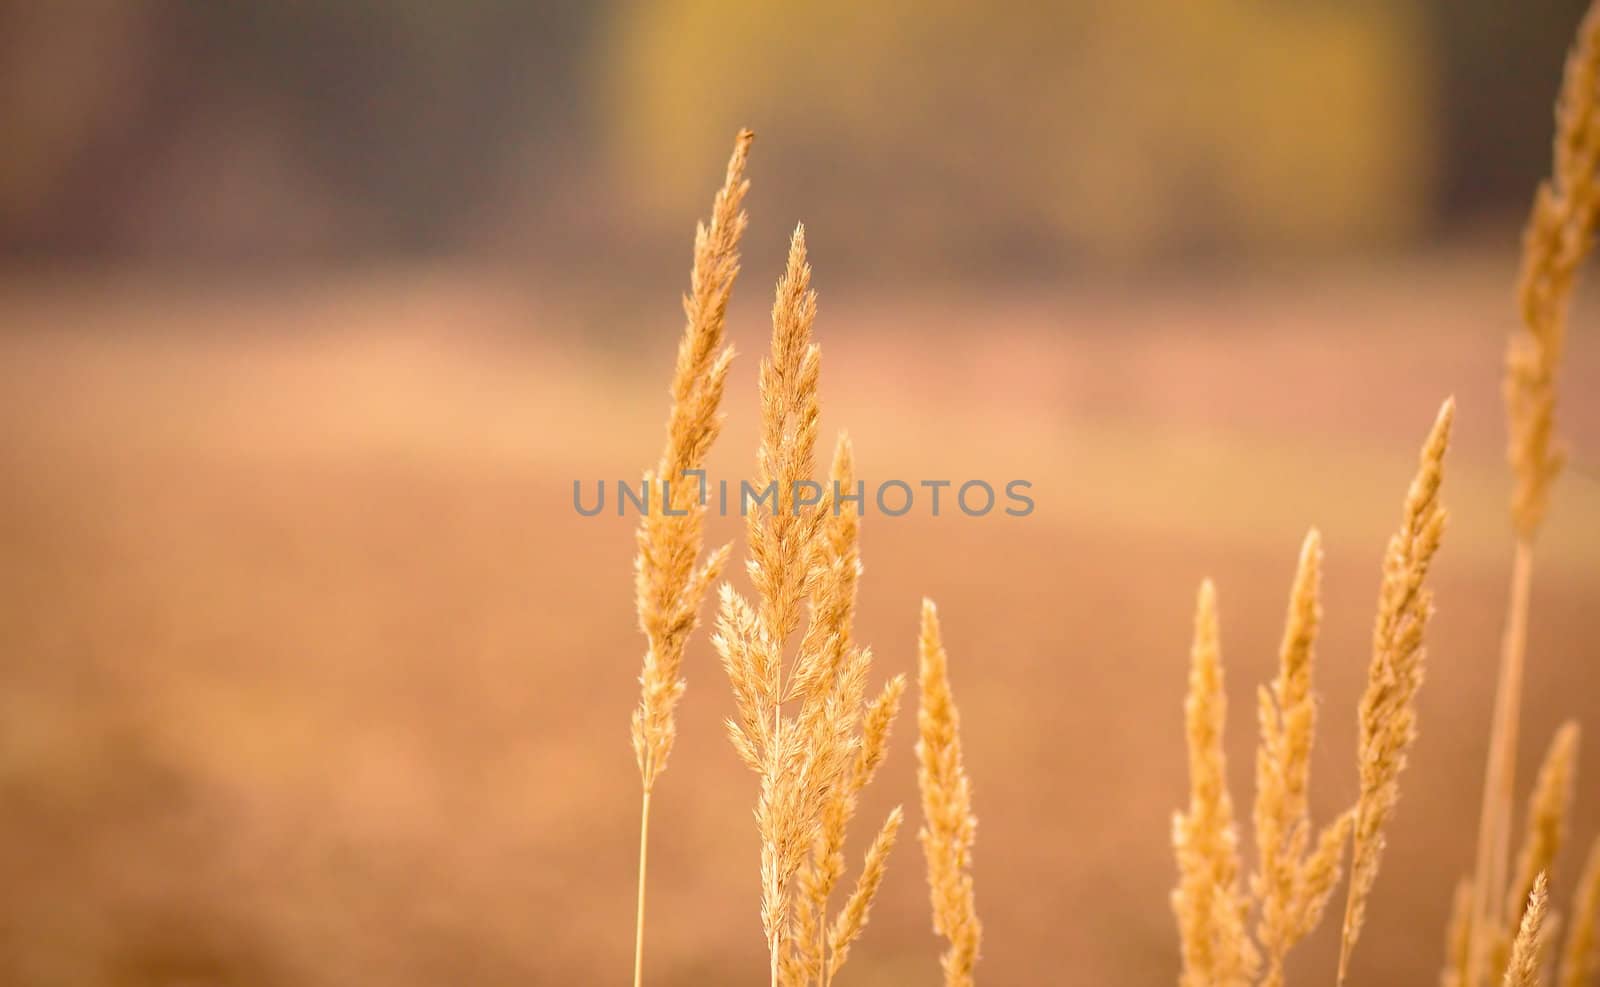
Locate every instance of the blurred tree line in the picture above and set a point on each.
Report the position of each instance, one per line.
(1136, 129)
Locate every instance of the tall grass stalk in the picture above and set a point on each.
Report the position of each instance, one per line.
(949, 828)
(670, 580)
(802, 723)
(1559, 234)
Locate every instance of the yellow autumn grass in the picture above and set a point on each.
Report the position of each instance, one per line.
(805, 726)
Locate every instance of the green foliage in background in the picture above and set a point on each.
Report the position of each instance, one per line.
(1109, 128)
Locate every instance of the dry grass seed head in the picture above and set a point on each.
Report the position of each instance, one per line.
(949, 827)
(1548, 808)
(1293, 882)
(1580, 958)
(1210, 909)
(780, 535)
(835, 572)
(813, 761)
(669, 581)
(1559, 234)
(852, 918)
(1527, 951)
(1387, 714)
(853, 734)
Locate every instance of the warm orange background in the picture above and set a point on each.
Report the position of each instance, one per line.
(310, 673)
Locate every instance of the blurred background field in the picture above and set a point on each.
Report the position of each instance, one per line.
(311, 315)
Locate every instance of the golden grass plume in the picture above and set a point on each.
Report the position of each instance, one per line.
(1527, 951)
(1548, 809)
(1298, 867)
(1558, 236)
(1579, 956)
(949, 827)
(1387, 712)
(670, 580)
(1295, 876)
(1210, 906)
(810, 736)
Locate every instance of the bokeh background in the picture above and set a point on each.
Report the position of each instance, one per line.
(311, 314)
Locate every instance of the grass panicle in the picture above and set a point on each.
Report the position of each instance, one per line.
(670, 579)
(1545, 830)
(949, 828)
(780, 535)
(1580, 955)
(1527, 950)
(1295, 878)
(1387, 715)
(852, 917)
(804, 724)
(1211, 908)
(1548, 810)
(1559, 234)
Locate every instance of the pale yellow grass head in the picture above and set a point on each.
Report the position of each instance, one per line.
(949, 828)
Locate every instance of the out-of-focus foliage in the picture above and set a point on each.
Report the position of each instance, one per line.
(1498, 67)
(192, 128)
(1123, 128)
(949, 132)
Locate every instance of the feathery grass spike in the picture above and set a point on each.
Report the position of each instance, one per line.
(1580, 958)
(1558, 236)
(804, 725)
(1294, 880)
(1387, 713)
(852, 918)
(1548, 806)
(949, 827)
(1548, 809)
(1527, 951)
(846, 724)
(780, 535)
(670, 580)
(1208, 903)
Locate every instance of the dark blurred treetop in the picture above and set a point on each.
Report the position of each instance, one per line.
(332, 124)
(315, 128)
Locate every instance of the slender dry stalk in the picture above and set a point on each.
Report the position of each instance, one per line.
(812, 762)
(949, 827)
(1527, 951)
(1294, 881)
(670, 581)
(1209, 905)
(1499, 786)
(1559, 234)
(1548, 809)
(1388, 715)
(1458, 937)
(1579, 958)
(1548, 806)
